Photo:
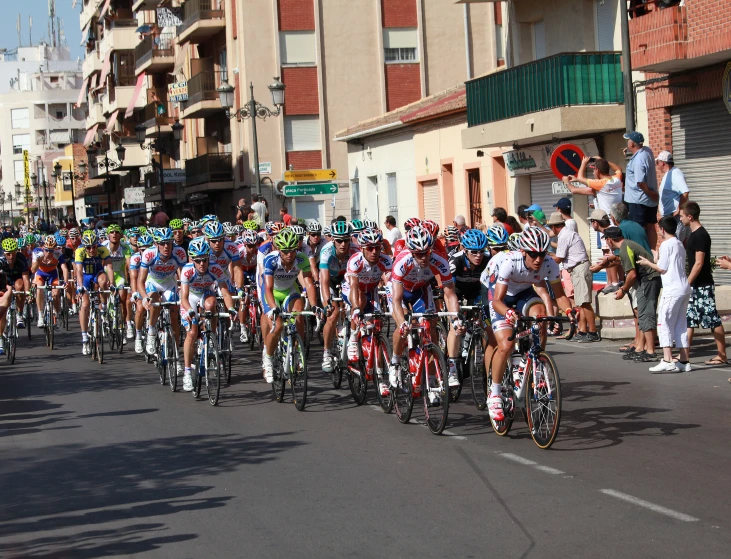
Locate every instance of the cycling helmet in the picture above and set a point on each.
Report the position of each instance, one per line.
(103, 235)
(432, 227)
(50, 242)
(21, 242)
(89, 238)
(30, 239)
(341, 230)
(228, 229)
(357, 225)
(262, 236)
(251, 225)
(60, 240)
(249, 237)
(73, 232)
(286, 240)
(327, 231)
(176, 224)
(209, 217)
(133, 232)
(370, 224)
(196, 226)
(145, 241)
(213, 230)
(144, 231)
(497, 236)
(418, 238)
(198, 247)
(451, 233)
(314, 227)
(371, 237)
(276, 227)
(114, 228)
(474, 239)
(297, 230)
(10, 244)
(38, 237)
(238, 229)
(411, 223)
(64, 232)
(163, 235)
(187, 221)
(534, 239)
(514, 241)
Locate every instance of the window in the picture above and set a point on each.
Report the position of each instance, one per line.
(67, 181)
(302, 133)
(297, 47)
(19, 168)
(499, 48)
(20, 142)
(400, 45)
(223, 64)
(355, 199)
(20, 118)
(606, 22)
(539, 40)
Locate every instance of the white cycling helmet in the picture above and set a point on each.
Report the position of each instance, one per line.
(418, 238)
(534, 239)
(314, 227)
(370, 237)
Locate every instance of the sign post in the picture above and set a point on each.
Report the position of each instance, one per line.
(311, 175)
(293, 190)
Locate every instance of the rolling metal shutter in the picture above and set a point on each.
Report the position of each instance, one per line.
(432, 204)
(541, 192)
(702, 150)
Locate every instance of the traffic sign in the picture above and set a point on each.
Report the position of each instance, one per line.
(566, 160)
(292, 190)
(311, 175)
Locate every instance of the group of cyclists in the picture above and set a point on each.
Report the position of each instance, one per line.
(345, 267)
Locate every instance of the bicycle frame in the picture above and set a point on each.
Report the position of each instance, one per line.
(420, 336)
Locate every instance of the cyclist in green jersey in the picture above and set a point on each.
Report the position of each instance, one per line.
(120, 253)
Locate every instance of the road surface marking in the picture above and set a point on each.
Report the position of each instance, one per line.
(650, 506)
(531, 463)
(455, 435)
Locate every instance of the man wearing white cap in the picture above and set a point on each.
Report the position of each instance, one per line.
(673, 192)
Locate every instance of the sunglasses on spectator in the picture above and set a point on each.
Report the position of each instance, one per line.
(200, 260)
(534, 255)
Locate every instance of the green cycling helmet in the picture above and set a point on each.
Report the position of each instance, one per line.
(251, 225)
(21, 242)
(341, 230)
(176, 224)
(114, 228)
(10, 244)
(286, 240)
(358, 225)
(30, 238)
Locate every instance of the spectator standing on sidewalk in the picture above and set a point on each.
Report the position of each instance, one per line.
(702, 311)
(631, 230)
(648, 286)
(571, 254)
(499, 215)
(673, 192)
(671, 315)
(563, 206)
(392, 233)
(640, 185)
(606, 186)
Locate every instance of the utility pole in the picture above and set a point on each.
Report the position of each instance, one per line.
(629, 96)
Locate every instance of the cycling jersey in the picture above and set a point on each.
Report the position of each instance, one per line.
(285, 279)
(368, 275)
(14, 273)
(248, 261)
(161, 271)
(329, 260)
(91, 265)
(135, 260)
(229, 253)
(118, 256)
(202, 284)
(48, 261)
(513, 272)
(466, 276)
(313, 252)
(413, 277)
(398, 246)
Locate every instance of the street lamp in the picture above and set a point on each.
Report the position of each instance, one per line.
(108, 165)
(161, 147)
(253, 110)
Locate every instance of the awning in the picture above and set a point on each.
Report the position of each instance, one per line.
(135, 95)
(82, 93)
(85, 34)
(179, 62)
(105, 68)
(112, 121)
(104, 9)
(90, 135)
(93, 83)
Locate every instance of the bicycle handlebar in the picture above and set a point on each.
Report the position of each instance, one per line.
(165, 304)
(526, 320)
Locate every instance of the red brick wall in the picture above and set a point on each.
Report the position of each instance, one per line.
(296, 15)
(403, 85)
(304, 159)
(709, 26)
(399, 13)
(301, 94)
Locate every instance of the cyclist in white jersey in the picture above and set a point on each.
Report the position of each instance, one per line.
(135, 261)
(313, 246)
(517, 287)
(225, 254)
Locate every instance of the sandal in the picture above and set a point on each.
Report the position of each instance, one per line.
(717, 360)
(629, 348)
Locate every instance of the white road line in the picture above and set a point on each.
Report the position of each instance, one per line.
(650, 506)
(531, 463)
(455, 435)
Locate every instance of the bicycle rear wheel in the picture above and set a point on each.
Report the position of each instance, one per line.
(543, 401)
(502, 428)
(213, 371)
(111, 320)
(476, 367)
(161, 357)
(172, 359)
(435, 389)
(278, 382)
(99, 338)
(403, 395)
(28, 312)
(382, 359)
(357, 382)
(298, 372)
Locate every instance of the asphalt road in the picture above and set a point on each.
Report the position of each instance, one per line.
(102, 461)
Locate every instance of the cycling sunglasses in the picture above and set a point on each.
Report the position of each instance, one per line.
(315, 234)
(372, 248)
(341, 241)
(534, 255)
(476, 252)
(200, 260)
(420, 254)
(288, 250)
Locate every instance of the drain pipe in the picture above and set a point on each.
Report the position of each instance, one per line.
(467, 47)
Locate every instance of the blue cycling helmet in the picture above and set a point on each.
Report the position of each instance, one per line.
(497, 235)
(198, 247)
(163, 235)
(206, 218)
(60, 239)
(145, 241)
(213, 230)
(474, 239)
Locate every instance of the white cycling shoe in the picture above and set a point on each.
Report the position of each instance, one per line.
(495, 407)
(268, 364)
(139, 346)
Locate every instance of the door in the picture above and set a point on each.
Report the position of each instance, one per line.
(473, 179)
(432, 204)
(392, 196)
(371, 210)
(310, 211)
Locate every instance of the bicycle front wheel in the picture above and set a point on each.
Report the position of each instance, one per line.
(99, 338)
(403, 395)
(213, 372)
(476, 367)
(543, 401)
(172, 359)
(298, 372)
(380, 375)
(278, 382)
(435, 389)
(507, 393)
(28, 312)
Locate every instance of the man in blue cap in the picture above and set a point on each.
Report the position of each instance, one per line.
(564, 207)
(640, 185)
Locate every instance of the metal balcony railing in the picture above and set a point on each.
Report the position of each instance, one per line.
(557, 81)
(153, 46)
(202, 87)
(196, 10)
(212, 167)
(151, 116)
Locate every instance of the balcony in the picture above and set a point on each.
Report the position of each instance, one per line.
(203, 98)
(213, 171)
(152, 119)
(672, 40)
(96, 115)
(155, 53)
(138, 5)
(92, 63)
(119, 97)
(121, 35)
(134, 156)
(561, 96)
(202, 19)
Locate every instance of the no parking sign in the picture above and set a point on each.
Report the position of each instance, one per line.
(566, 160)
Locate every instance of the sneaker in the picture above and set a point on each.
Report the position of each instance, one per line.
(150, 344)
(139, 346)
(20, 324)
(589, 338)
(41, 322)
(352, 350)
(268, 364)
(646, 357)
(85, 348)
(578, 337)
(187, 382)
(385, 390)
(393, 374)
(664, 366)
(453, 379)
(683, 367)
(495, 406)
(244, 338)
(611, 288)
(327, 363)
(630, 355)
(130, 331)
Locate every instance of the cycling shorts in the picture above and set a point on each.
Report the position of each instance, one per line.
(48, 277)
(167, 289)
(119, 280)
(196, 301)
(373, 302)
(279, 297)
(521, 302)
(89, 280)
(420, 300)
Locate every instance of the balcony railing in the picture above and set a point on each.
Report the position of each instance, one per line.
(196, 10)
(213, 167)
(153, 118)
(557, 81)
(202, 87)
(153, 46)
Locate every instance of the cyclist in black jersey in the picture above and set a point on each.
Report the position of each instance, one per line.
(14, 275)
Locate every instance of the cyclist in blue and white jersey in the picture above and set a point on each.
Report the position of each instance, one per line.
(313, 247)
(224, 253)
(135, 261)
